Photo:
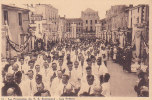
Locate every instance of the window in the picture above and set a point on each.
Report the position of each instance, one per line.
(95, 21)
(20, 19)
(142, 15)
(91, 29)
(137, 19)
(5, 16)
(91, 22)
(86, 21)
(32, 21)
(138, 9)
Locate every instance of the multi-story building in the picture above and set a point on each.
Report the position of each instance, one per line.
(139, 23)
(103, 24)
(90, 18)
(50, 16)
(36, 24)
(117, 17)
(78, 22)
(17, 20)
(138, 15)
(62, 27)
(62, 24)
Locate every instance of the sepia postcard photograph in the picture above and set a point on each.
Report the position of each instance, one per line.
(75, 49)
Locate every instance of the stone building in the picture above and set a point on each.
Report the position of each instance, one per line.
(62, 27)
(139, 23)
(90, 18)
(17, 20)
(50, 16)
(103, 24)
(50, 20)
(79, 25)
(117, 17)
(36, 24)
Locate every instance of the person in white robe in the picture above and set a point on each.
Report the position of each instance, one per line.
(76, 80)
(54, 87)
(46, 71)
(53, 72)
(106, 86)
(28, 85)
(87, 86)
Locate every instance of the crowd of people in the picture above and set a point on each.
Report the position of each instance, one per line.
(69, 68)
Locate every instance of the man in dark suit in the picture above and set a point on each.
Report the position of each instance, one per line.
(11, 85)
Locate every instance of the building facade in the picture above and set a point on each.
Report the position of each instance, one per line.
(139, 23)
(138, 15)
(62, 27)
(50, 16)
(117, 20)
(90, 18)
(36, 24)
(79, 25)
(117, 17)
(17, 20)
(103, 24)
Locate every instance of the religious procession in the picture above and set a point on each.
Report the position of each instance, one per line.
(56, 56)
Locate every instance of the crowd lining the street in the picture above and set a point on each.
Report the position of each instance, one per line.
(69, 68)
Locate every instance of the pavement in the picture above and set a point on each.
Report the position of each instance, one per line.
(121, 83)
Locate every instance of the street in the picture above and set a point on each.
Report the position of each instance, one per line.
(121, 83)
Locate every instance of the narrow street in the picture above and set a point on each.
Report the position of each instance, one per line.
(121, 83)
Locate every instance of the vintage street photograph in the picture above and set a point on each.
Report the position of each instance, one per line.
(75, 49)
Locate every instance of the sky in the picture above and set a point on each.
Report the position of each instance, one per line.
(73, 8)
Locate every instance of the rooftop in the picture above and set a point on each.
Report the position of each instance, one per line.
(89, 10)
(5, 6)
(47, 5)
(134, 7)
(74, 19)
